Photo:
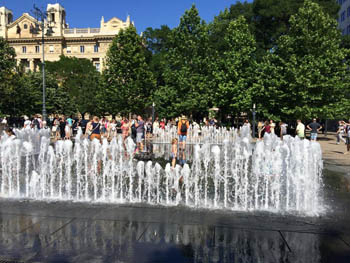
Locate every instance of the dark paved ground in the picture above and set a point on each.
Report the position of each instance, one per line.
(76, 232)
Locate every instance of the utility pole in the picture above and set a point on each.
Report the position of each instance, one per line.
(153, 112)
(42, 15)
(254, 113)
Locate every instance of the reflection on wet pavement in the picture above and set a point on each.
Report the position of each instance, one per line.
(53, 232)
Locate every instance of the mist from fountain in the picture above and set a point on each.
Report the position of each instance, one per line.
(228, 171)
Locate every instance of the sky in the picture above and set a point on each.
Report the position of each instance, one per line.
(145, 13)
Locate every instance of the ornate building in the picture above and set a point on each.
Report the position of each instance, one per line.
(344, 16)
(25, 37)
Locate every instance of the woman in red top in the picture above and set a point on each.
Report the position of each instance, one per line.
(162, 124)
(266, 128)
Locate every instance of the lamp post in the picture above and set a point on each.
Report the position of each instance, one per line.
(254, 113)
(153, 111)
(42, 15)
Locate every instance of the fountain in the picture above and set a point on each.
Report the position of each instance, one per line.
(226, 171)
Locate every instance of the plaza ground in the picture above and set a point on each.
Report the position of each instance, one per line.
(82, 232)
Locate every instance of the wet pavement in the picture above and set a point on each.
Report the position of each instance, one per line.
(80, 232)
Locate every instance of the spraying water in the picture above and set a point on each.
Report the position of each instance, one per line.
(228, 171)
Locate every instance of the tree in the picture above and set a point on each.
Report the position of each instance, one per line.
(128, 83)
(219, 26)
(267, 20)
(235, 69)
(272, 18)
(79, 79)
(306, 74)
(7, 74)
(187, 72)
(157, 44)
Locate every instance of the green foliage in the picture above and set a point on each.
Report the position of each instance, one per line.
(187, 70)
(306, 74)
(234, 72)
(219, 27)
(272, 18)
(157, 44)
(286, 56)
(7, 73)
(128, 82)
(79, 80)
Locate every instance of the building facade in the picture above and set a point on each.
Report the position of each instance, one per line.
(24, 35)
(344, 16)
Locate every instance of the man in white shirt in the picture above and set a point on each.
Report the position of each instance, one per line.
(27, 123)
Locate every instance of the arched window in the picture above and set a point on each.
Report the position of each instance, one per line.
(25, 26)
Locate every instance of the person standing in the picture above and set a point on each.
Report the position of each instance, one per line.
(182, 129)
(68, 131)
(300, 131)
(27, 123)
(347, 132)
(62, 128)
(155, 126)
(314, 127)
(125, 129)
(246, 123)
(95, 129)
(340, 132)
(140, 131)
(272, 126)
(56, 128)
(173, 152)
(266, 128)
(283, 129)
(36, 122)
(260, 128)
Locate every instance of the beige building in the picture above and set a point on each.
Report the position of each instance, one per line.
(89, 43)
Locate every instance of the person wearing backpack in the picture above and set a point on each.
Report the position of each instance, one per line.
(182, 129)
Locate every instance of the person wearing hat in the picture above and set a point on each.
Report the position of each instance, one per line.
(182, 129)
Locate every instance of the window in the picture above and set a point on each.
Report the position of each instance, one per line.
(37, 49)
(82, 49)
(96, 48)
(25, 26)
(69, 50)
(342, 16)
(98, 68)
(348, 30)
(348, 12)
(24, 49)
(51, 49)
(53, 17)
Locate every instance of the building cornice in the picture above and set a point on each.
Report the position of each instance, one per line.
(34, 40)
(62, 39)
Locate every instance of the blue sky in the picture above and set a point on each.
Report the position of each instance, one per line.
(145, 13)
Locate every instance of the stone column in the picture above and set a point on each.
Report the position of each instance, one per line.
(102, 64)
(31, 64)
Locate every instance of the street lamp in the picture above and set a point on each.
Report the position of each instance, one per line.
(254, 113)
(42, 15)
(153, 111)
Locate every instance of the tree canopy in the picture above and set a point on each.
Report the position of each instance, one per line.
(128, 81)
(287, 57)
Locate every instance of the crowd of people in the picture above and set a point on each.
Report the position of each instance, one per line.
(64, 128)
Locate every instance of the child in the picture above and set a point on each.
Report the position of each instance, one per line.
(173, 152)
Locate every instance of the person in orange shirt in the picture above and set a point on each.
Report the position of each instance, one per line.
(182, 129)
